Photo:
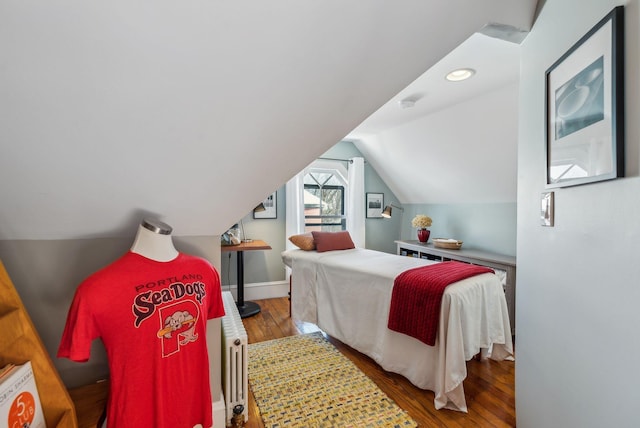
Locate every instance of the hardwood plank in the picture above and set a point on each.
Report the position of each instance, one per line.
(489, 386)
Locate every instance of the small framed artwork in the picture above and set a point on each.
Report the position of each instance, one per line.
(270, 207)
(375, 203)
(546, 209)
(584, 122)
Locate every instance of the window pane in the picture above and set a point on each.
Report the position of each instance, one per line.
(323, 202)
(332, 199)
(332, 219)
(308, 179)
(323, 228)
(319, 178)
(333, 181)
(312, 198)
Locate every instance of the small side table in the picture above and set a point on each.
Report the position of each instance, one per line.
(246, 309)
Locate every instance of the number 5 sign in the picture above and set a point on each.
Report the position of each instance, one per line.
(22, 411)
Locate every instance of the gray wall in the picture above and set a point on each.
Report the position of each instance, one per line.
(267, 266)
(47, 273)
(379, 232)
(578, 294)
(490, 226)
(260, 266)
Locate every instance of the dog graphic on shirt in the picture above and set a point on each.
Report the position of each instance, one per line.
(181, 323)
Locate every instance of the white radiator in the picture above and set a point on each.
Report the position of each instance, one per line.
(234, 358)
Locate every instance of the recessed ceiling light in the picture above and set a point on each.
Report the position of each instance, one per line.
(460, 74)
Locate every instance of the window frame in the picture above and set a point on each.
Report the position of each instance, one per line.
(338, 171)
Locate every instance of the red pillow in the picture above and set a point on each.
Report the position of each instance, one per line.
(329, 241)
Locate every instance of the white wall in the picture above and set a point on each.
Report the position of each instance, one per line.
(111, 106)
(458, 165)
(465, 153)
(577, 300)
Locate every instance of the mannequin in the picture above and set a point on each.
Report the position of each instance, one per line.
(150, 308)
(153, 241)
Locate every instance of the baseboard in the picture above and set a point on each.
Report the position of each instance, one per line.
(260, 290)
(219, 417)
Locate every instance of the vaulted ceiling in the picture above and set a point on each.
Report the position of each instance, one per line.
(458, 142)
(195, 111)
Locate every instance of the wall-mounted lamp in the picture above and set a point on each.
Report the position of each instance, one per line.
(387, 210)
(259, 208)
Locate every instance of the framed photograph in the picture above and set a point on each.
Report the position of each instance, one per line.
(375, 205)
(270, 205)
(584, 121)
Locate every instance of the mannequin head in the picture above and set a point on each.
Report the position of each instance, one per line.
(154, 242)
(156, 226)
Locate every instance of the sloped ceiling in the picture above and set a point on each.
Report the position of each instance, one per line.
(195, 111)
(458, 143)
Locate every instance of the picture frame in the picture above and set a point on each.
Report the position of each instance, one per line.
(271, 207)
(584, 110)
(375, 205)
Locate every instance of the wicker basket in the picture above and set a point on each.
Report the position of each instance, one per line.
(449, 244)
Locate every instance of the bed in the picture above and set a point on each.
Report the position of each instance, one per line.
(347, 294)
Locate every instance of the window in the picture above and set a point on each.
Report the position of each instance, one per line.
(324, 199)
(335, 199)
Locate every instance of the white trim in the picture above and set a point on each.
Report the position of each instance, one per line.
(294, 212)
(260, 290)
(219, 412)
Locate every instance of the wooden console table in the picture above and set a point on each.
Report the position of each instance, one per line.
(246, 309)
(477, 257)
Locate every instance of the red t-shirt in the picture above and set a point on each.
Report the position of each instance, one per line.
(151, 317)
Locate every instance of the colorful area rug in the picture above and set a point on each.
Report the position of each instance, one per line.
(304, 381)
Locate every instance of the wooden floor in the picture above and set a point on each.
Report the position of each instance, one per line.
(489, 386)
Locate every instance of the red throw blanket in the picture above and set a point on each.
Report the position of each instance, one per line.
(417, 297)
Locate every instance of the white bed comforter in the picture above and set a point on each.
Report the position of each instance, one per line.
(348, 294)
